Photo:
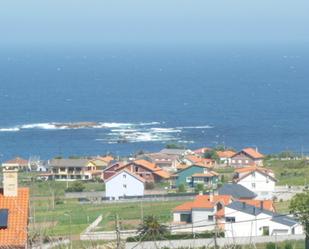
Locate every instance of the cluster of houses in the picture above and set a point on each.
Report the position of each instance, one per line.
(175, 167)
(241, 208)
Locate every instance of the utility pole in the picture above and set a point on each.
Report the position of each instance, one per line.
(117, 232)
(215, 235)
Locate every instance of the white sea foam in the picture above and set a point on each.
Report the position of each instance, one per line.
(43, 126)
(117, 132)
(13, 129)
(196, 127)
(165, 130)
(149, 123)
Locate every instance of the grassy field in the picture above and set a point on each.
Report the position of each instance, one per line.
(290, 172)
(57, 221)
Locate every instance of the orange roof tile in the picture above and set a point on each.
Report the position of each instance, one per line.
(152, 167)
(106, 159)
(225, 154)
(17, 160)
(253, 153)
(251, 169)
(208, 174)
(248, 170)
(202, 150)
(15, 235)
(203, 201)
(182, 166)
(208, 166)
(129, 172)
(267, 204)
(199, 160)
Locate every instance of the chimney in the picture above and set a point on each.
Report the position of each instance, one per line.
(211, 196)
(10, 182)
(243, 205)
(261, 205)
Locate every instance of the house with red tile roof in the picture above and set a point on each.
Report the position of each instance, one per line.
(18, 163)
(124, 184)
(207, 211)
(195, 174)
(165, 161)
(194, 160)
(14, 212)
(201, 151)
(149, 171)
(259, 180)
(247, 157)
(202, 213)
(225, 157)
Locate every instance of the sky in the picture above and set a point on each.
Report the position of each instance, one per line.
(153, 21)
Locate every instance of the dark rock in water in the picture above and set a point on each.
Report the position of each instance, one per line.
(77, 125)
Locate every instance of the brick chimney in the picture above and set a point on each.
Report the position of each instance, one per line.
(211, 196)
(261, 205)
(10, 182)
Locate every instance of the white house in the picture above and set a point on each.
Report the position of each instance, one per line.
(243, 220)
(124, 183)
(201, 214)
(259, 180)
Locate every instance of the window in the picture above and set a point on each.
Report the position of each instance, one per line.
(124, 185)
(247, 161)
(188, 179)
(230, 219)
(265, 231)
(124, 176)
(186, 218)
(253, 174)
(233, 161)
(210, 217)
(239, 161)
(253, 185)
(136, 168)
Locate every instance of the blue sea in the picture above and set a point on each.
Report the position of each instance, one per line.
(143, 97)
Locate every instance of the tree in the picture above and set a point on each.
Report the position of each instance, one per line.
(152, 228)
(181, 188)
(211, 154)
(287, 154)
(175, 146)
(300, 208)
(199, 188)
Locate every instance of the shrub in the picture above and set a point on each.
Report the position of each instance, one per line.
(271, 245)
(199, 188)
(288, 246)
(76, 187)
(182, 188)
(149, 185)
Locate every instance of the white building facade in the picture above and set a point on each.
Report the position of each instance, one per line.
(242, 220)
(124, 183)
(263, 184)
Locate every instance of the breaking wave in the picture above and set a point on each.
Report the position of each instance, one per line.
(113, 132)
